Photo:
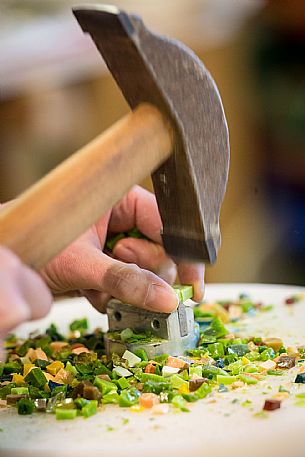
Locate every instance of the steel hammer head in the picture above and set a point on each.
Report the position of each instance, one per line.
(190, 185)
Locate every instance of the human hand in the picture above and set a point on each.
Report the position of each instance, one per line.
(84, 268)
(23, 295)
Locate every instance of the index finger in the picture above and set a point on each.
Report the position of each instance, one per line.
(137, 209)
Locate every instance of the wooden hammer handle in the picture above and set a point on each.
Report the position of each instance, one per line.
(72, 197)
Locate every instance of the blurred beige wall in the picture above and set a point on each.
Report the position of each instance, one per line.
(39, 129)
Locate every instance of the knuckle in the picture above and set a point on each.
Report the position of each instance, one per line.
(113, 278)
(118, 275)
(128, 283)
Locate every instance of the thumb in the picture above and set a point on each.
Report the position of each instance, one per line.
(138, 287)
(89, 269)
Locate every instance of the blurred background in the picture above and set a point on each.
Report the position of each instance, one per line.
(56, 95)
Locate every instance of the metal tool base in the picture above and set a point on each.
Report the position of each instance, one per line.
(173, 347)
(177, 331)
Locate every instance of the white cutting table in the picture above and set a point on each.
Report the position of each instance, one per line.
(218, 426)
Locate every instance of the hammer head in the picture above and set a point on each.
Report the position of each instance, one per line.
(190, 185)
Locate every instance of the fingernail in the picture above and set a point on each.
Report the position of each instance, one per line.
(168, 272)
(199, 289)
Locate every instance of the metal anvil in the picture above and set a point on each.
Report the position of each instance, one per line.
(177, 331)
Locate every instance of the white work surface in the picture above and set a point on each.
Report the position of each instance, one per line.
(215, 427)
